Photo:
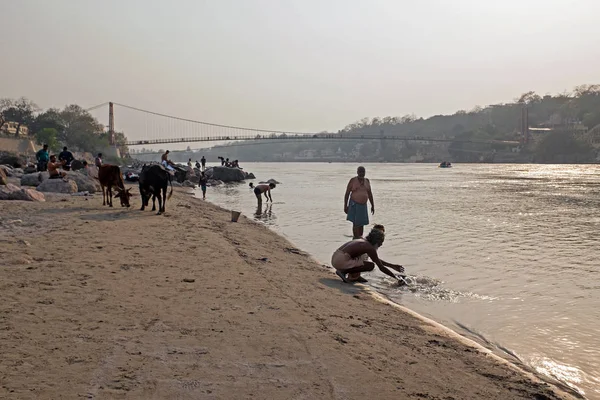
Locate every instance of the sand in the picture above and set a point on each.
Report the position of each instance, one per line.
(122, 304)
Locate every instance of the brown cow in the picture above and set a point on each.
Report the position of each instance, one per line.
(109, 176)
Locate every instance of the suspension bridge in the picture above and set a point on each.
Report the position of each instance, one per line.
(144, 127)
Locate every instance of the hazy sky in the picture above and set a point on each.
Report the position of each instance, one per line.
(306, 65)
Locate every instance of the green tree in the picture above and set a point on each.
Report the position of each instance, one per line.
(50, 118)
(81, 130)
(563, 147)
(48, 136)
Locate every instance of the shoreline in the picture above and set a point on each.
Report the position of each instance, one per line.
(104, 311)
(451, 333)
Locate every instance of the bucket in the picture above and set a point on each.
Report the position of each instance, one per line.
(235, 215)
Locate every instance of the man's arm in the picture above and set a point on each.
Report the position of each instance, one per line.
(371, 198)
(395, 267)
(373, 256)
(347, 196)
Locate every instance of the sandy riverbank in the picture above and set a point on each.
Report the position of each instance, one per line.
(94, 305)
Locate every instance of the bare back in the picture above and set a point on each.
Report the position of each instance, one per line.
(358, 247)
(263, 187)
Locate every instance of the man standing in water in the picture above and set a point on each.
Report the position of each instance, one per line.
(266, 189)
(358, 192)
(349, 259)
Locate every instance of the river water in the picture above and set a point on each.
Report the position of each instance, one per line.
(504, 254)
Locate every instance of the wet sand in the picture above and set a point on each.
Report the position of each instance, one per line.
(114, 303)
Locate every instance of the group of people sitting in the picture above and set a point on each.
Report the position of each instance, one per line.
(231, 164)
(57, 167)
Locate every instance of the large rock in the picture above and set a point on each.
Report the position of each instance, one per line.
(249, 175)
(13, 192)
(12, 159)
(3, 178)
(58, 186)
(34, 179)
(226, 174)
(76, 165)
(84, 182)
(188, 184)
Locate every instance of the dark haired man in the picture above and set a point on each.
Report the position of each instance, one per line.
(349, 260)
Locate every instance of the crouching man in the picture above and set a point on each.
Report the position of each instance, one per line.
(350, 259)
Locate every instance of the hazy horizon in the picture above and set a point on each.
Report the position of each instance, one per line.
(296, 65)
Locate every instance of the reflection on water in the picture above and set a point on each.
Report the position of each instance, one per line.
(264, 213)
(506, 254)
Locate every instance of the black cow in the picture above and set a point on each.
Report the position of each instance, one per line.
(153, 180)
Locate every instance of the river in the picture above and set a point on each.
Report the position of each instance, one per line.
(504, 254)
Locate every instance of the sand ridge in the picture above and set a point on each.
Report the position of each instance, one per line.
(101, 310)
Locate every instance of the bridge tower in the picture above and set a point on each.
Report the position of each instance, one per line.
(113, 150)
(111, 124)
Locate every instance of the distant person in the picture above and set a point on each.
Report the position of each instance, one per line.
(349, 260)
(222, 161)
(358, 192)
(197, 164)
(227, 162)
(266, 189)
(53, 168)
(165, 162)
(203, 161)
(67, 157)
(98, 160)
(42, 157)
(190, 163)
(251, 185)
(202, 183)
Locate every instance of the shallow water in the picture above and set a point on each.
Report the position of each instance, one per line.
(505, 254)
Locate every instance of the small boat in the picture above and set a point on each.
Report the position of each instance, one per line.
(445, 164)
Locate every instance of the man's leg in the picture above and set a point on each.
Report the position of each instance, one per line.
(357, 231)
(354, 273)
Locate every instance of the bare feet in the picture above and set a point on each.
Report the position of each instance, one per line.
(342, 275)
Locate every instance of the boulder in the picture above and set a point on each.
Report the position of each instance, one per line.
(29, 170)
(58, 186)
(13, 192)
(188, 184)
(12, 159)
(16, 173)
(250, 175)
(84, 182)
(194, 179)
(213, 182)
(3, 178)
(76, 165)
(7, 190)
(176, 184)
(33, 179)
(226, 174)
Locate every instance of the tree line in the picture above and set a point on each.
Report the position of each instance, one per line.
(71, 126)
(472, 131)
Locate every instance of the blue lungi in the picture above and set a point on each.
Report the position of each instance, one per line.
(358, 214)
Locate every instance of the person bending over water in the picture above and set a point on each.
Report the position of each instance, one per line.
(264, 188)
(349, 260)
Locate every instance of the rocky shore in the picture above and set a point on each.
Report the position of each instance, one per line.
(120, 303)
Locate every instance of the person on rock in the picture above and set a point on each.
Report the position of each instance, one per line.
(53, 168)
